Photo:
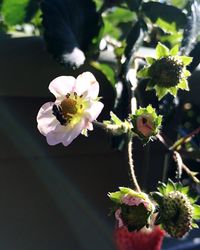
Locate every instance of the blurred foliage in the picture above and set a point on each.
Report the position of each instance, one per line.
(117, 22)
(14, 14)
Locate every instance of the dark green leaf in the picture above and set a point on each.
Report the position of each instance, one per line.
(133, 4)
(169, 14)
(134, 39)
(32, 9)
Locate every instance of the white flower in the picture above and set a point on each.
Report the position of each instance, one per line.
(74, 110)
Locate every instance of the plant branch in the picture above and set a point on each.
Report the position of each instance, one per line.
(184, 139)
(177, 157)
(188, 171)
(131, 166)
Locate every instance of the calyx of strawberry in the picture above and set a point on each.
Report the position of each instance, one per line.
(177, 211)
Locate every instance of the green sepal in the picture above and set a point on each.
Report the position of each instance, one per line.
(160, 92)
(173, 91)
(150, 60)
(115, 196)
(196, 212)
(158, 197)
(174, 50)
(161, 187)
(143, 73)
(170, 186)
(194, 225)
(185, 59)
(115, 119)
(161, 50)
(186, 73)
(183, 84)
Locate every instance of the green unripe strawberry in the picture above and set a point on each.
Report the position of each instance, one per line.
(168, 71)
(177, 214)
(177, 211)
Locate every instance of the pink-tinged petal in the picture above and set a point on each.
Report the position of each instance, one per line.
(56, 136)
(118, 217)
(45, 119)
(94, 110)
(73, 133)
(62, 85)
(87, 85)
(89, 126)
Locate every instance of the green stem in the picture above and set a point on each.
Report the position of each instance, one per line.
(131, 166)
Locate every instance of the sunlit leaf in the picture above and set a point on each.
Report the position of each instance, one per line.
(106, 70)
(14, 11)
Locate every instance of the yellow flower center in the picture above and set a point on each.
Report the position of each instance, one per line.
(70, 109)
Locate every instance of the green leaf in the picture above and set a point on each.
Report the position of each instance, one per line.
(150, 60)
(14, 11)
(161, 50)
(172, 39)
(179, 3)
(186, 60)
(174, 50)
(183, 85)
(117, 22)
(134, 39)
(168, 13)
(165, 26)
(133, 4)
(143, 73)
(196, 212)
(119, 51)
(106, 70)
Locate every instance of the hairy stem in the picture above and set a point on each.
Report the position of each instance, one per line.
(131, 166)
